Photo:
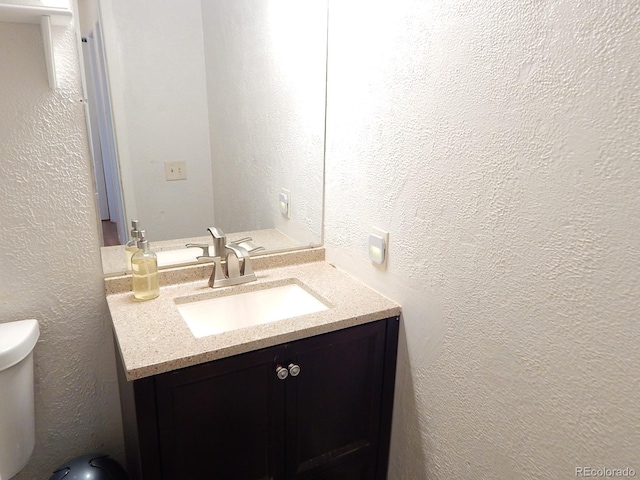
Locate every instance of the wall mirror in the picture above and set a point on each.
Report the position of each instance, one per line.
(203, 112)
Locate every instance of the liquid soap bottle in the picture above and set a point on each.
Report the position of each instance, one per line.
(144, 270)
(132, 245)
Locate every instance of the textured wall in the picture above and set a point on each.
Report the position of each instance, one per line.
(498, 143)
(156, 68)
(266, 112)
(49, 251)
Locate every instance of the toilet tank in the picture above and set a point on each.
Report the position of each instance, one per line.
(17, 422)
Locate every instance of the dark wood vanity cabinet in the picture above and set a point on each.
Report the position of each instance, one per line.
(237, 419)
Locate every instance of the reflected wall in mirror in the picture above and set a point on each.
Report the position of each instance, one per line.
(234, 89)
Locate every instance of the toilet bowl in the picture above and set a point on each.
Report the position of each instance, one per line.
(17, 421)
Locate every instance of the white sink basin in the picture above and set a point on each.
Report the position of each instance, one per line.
(221, 314)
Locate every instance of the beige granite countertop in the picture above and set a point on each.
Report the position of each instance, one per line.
(153, 338)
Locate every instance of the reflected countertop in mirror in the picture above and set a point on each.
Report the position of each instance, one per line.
(172, 253)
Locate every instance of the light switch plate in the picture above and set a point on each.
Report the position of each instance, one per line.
(175, 170)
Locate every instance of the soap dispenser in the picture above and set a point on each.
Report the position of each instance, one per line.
(144, 270)
(132, 245)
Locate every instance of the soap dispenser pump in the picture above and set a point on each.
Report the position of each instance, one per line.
(144, 270)
(132, 245)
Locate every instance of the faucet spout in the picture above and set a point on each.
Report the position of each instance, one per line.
(219, 241)
(217, 275)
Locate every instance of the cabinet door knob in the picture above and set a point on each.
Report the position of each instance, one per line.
(294, 370)
(282, 372)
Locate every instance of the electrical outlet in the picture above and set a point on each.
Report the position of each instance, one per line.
(175, 170)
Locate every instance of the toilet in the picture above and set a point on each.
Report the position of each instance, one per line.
(17, 421)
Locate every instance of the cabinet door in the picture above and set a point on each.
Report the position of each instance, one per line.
(223, 420)
(333, 405)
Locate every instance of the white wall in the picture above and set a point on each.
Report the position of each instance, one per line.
(156, 67)
(266, 75)
(498, 143)
(49, 249)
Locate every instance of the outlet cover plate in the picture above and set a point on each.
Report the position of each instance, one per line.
(175, 170)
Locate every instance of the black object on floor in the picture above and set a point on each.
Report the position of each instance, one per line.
(90, 467)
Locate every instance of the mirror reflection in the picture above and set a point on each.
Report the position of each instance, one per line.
(208, 113)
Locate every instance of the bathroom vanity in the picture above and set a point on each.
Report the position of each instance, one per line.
(308, 397)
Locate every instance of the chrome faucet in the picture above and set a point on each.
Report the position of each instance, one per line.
(237, 267)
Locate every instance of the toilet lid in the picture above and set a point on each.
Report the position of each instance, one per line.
(17, 339)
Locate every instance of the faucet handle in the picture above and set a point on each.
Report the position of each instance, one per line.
(243, 256)
(247, 244)
(203, 246)
(240, 252)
